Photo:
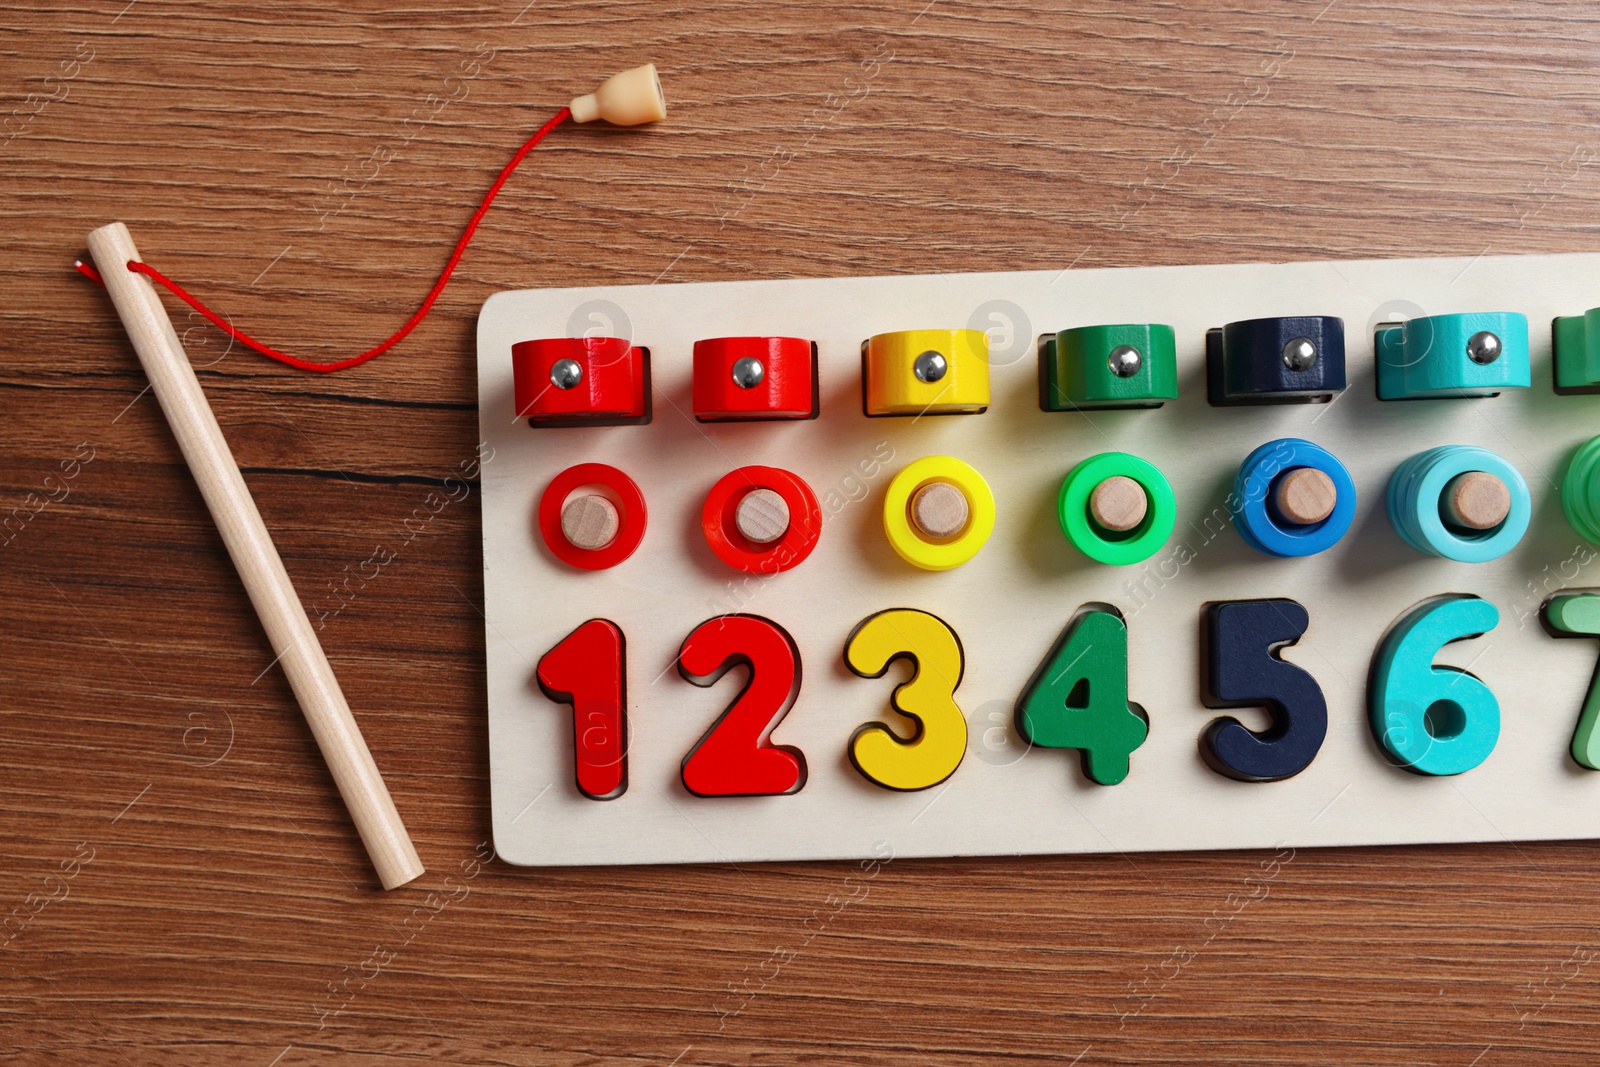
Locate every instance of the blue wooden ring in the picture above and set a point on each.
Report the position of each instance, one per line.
(1259, 522)
(1414, 495)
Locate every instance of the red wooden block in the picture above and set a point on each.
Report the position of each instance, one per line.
(751, 378)
(581, 381)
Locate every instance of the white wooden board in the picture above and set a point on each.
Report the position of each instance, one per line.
(1010, 603)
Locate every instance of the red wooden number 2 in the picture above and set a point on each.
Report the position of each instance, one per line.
(735, 757)
(586, 670)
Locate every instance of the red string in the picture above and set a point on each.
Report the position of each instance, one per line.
(411, 323)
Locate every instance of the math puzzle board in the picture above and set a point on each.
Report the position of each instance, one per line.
(1009, 605)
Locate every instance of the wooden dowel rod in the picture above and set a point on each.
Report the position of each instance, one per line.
(255, 557)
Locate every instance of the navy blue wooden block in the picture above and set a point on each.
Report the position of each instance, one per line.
(1297, 359)
(1243, 670)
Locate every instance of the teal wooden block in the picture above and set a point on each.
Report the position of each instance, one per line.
(1476, 354)
(1131, 365)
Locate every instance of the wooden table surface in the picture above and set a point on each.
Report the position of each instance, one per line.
(181, 883)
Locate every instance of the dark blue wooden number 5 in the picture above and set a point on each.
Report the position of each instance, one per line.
(1243, 670)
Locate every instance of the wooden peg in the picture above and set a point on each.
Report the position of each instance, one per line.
(1306, 496)
(939, 510)
(762, 516)
(590, 521)
(1475, 500)
(255, 557)
(1118, 504)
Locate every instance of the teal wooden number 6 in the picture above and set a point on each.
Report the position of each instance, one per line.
(1434, 720)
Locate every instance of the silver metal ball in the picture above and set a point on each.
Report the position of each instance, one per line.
(930, 367)
(566, 373)
(1300, 354)
(1125, 361)
(1483, 347)
(748, 372)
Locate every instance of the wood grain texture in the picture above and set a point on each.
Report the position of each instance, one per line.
(182, 883)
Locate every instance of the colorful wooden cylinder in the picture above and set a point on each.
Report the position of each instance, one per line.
(1580, 490)
(622, 499)
(925, 372)
(1275, 360)
(1576, 340)
(581, 381)
(919, 541)
(755, 378)
(1419, 510)
(1267, 519)
(1436, 356)
(1090, 535)
(781, 539)
(1134, 365)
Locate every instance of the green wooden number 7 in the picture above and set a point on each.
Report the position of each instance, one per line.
(1578, 615)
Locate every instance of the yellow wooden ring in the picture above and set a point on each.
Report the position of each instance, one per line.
(903, 536)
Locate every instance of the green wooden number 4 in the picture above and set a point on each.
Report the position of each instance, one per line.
(1078, 698)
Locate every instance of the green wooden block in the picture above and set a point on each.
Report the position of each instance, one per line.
(1574, 613)
(1576, 339)
(1133, 365)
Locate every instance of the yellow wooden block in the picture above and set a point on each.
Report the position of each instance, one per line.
(926, 372)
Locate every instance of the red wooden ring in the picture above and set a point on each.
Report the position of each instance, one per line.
(736, 550)
(629, 501)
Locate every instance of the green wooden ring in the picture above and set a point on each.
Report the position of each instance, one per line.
(1580, 491)
(1140, 543)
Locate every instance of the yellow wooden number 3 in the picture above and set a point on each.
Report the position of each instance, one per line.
(934, 751)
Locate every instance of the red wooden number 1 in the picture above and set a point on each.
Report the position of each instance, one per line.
(735, 757)
(586, 670)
